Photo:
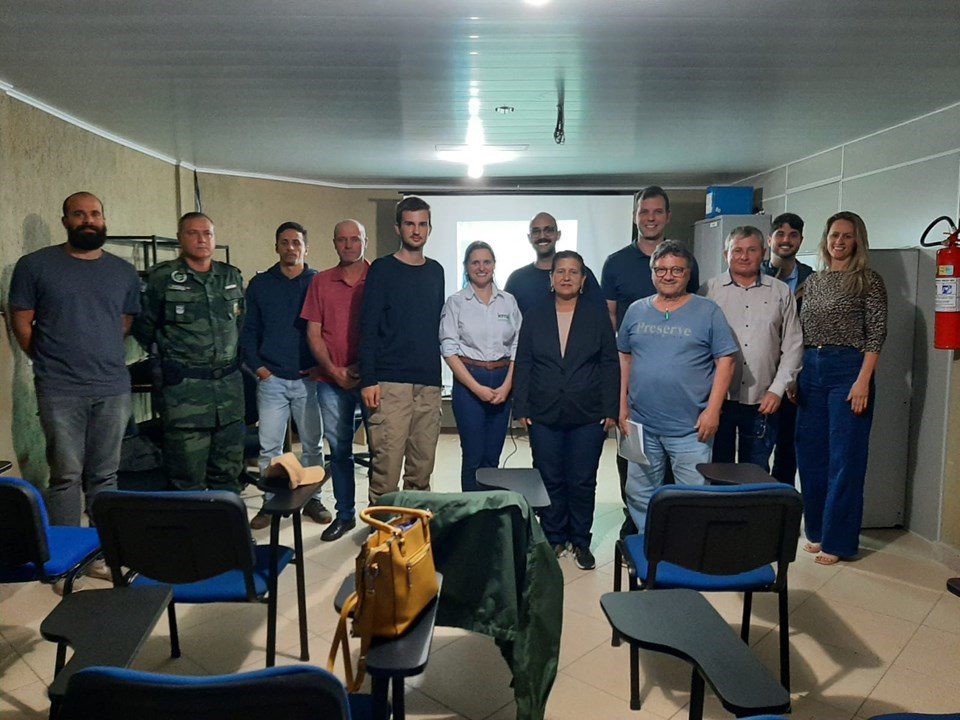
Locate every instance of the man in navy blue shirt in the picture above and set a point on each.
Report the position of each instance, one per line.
(531, 283)
(400, 356)
(274, 347)
(626, 278)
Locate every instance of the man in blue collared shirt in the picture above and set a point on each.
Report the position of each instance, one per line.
(274, 347)
(762, 313)
(784, 242)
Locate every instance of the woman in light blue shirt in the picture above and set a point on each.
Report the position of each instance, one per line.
(479, 327)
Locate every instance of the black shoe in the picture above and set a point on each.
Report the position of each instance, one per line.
(315, 510)
(560, 550)
(628, 527)
(260, 521)
(584, 558)
(338, 528)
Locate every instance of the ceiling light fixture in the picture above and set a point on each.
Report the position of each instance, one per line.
(474, 92)
(504, 109)
(474, 37)
(474, 52)
(536, 3)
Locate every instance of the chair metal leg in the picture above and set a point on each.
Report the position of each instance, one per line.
(378, 689)
(634, 676)
(272, 591)
(399, 701)
(301, 589)
(174, 636)
(617, 585)
(745, 623)
(784, 640)
(696, 696)
(61, 658)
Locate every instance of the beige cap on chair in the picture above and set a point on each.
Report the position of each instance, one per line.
(287, 466)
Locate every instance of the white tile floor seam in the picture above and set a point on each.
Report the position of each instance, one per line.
(867, 637)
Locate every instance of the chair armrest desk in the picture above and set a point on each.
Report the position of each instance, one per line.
(104, 627)
(683, 624)
(734, 473)
(392, 660)
(526, 481)
(286, 502)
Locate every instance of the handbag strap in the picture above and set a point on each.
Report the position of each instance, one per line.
(367, 514)
(341, 641)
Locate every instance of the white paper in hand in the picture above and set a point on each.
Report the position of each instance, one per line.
(630, 447)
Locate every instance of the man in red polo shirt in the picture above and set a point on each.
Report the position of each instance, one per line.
(332, 312)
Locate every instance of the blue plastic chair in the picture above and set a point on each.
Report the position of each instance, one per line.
(198, 542)
(31, 549)
(916, 716)
(296, 692)
(894, 716)
(718, 539)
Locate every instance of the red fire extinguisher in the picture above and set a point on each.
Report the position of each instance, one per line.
(947, 301)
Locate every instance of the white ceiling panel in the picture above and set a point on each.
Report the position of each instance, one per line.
(362, 91)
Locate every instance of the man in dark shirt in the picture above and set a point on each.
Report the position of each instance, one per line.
(626, 278)
(531, 283)
(400, 356)
(784, 242)
(71, 306)
(274, 347)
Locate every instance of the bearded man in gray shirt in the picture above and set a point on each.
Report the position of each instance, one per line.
(72, 305)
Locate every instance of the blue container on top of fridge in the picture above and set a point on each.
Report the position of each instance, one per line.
(729, 200)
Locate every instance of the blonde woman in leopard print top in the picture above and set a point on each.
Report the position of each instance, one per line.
(844, 319)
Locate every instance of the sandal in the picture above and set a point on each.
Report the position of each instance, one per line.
(812, 547)
(826, 559)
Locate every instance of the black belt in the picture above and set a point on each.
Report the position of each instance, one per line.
(174, 374)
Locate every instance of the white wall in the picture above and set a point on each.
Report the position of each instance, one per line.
(604, 223)
(898, 179)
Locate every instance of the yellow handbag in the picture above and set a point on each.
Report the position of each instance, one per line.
(396, 579)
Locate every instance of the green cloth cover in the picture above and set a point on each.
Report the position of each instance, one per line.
(500, 578)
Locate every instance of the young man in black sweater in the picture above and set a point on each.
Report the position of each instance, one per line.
(400, 356)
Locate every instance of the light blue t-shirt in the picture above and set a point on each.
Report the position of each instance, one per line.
(672, 365)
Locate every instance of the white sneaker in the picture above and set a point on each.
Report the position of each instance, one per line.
(99, 569)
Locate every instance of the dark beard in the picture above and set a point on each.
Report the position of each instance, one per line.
(87, 238)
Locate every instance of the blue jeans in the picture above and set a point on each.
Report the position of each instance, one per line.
(832, 448)
(567, 459)
(684, 453)
(338, 407)
(83, 437)
(277, 401)
(482, 426)
(753, 435)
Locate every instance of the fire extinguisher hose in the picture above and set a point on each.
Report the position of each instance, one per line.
(923, 238)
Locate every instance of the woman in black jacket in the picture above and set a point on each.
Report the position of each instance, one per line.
(566, 391)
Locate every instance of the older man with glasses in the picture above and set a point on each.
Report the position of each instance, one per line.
(676, 364)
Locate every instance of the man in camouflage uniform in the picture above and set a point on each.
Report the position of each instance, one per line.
(192, 312)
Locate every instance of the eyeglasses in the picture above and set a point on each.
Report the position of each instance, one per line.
(674, 271)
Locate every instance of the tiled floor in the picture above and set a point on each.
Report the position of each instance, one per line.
(867, 637)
